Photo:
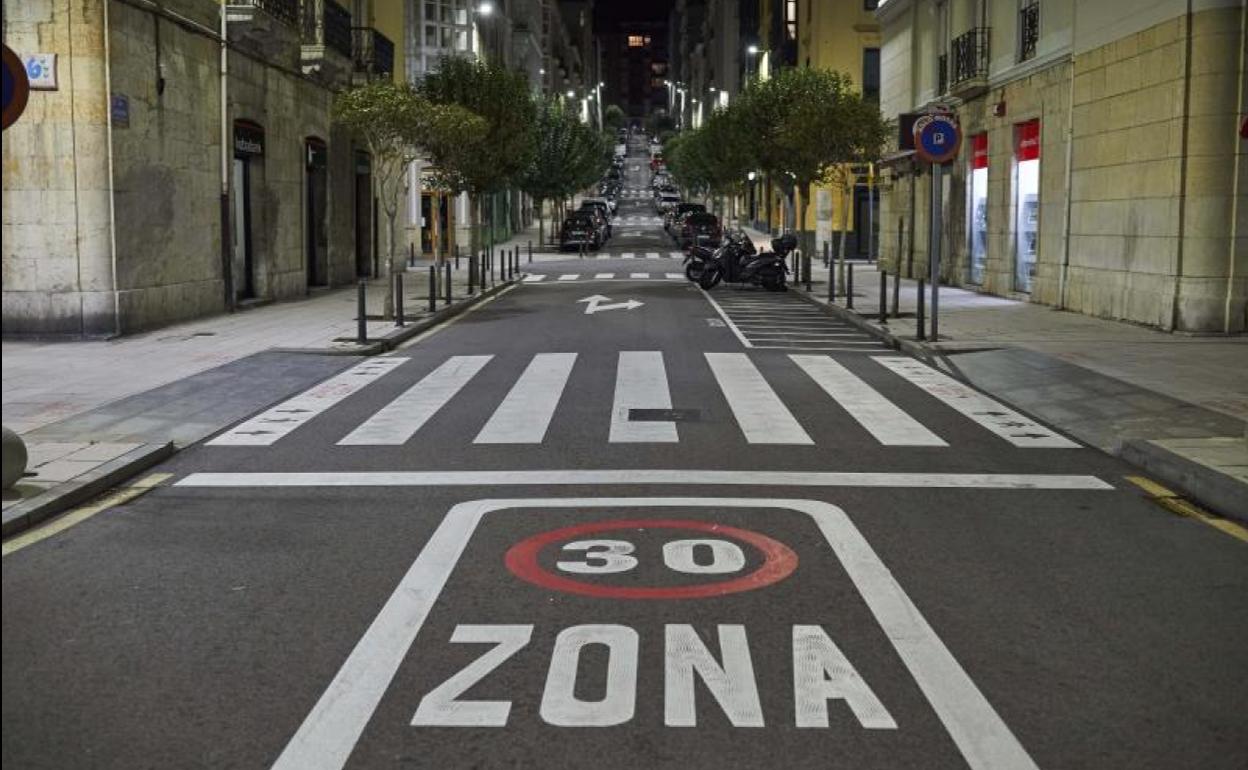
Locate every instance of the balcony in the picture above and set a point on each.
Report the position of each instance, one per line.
(970, 63)
(266, 28)
(1028, 30)
(372, 53)
(263, 11)
(326, 50)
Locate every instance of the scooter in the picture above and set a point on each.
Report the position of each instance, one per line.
(766, 269)
(697, 257)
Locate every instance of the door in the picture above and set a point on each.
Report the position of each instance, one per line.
(316, 239)
(363, 216)
(244, 267)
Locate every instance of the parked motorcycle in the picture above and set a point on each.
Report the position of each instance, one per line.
(698, 256)
(734, 264)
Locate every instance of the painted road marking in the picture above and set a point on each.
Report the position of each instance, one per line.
(641, 383)
(272, 424)
(627, 255)
(569, 276)
(676, 254)
(399, 420)
(82, 513)
(534, 278)
(574, 477)
(761, 415)
(638, 275)
(525, 413)
(996, 417)
(605, 275)
(1179, 505)
(652, 255)
(674, 276)
(722, 314)
(881, 417)
(329, 733)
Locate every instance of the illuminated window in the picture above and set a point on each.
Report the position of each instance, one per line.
(790, 18)
(638, 41)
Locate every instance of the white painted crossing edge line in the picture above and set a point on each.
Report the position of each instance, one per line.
(328, 735)
(762, 416)
(261, 479)
(993, 415)
(399, 420)
(525, 413)
(272, 424)
(882, 418)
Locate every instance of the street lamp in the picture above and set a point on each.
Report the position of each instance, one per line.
(751, 51)
(485, 8)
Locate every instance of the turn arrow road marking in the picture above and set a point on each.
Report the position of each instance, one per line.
(595, 304)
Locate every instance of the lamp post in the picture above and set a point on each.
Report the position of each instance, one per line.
(751, 51)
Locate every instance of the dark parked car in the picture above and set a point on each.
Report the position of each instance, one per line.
(603, 207)
(602, 219)
(579, 230)
(702, 228)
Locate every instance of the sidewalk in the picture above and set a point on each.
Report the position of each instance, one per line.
(95, 412)
(1175, 405)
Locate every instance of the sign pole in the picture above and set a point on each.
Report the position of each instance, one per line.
(933, 247)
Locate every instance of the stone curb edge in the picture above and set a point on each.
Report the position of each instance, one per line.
(62, 497)
(1205, 485)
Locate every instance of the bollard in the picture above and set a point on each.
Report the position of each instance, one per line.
(849, 286)
(806, 269)
(831, 284)
(411, 255)
(920, 334)
(398, 299)
(897, 291)
(449, 292)
(433, 289)
(361, 328)
(15, 458)
(827, 253)
(457, 257)
(530, 252)
(883, 297)
(472, 273)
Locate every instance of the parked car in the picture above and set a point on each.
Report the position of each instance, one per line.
(602, 220)
(665, 201)
(679, 210)
(701, 228)
(602, 206)
(579, 229)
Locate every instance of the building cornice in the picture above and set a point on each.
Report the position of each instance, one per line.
(890, 10)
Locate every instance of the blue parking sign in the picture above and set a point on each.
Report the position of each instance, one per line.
(937, 138)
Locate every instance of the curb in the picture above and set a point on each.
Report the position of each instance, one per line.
(919, 350)
(1210, 487)
(62, 497)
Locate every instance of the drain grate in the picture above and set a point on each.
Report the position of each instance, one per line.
(664, 415)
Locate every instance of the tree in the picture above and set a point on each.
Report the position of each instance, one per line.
(395, 123)
(502, 153)
(567, 156)
(613, 117)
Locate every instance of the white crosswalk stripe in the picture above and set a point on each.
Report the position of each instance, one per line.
(628, 255)
(638, 275)
(397, 421)
(525, 414)
(763, 417)
(674, 276)
(652, 255)
(603, 276)
(676, 254)
(641, 383)
(1006, 423)
(271, 425)
(569, 276)
(881, 417)
(534, 278)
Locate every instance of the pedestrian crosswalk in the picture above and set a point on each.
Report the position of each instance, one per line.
(766, 403)
(778, 322)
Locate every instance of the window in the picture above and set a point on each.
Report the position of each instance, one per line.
(790, 18)
(1028, 29)
(1026, 202)
(871, 73)
(638, 41)
(978, 194)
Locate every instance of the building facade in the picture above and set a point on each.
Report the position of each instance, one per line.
(165, 176)
(1102, 168)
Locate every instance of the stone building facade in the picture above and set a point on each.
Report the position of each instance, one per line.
(135, 196)
(1102, 169)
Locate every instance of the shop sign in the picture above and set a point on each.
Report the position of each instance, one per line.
(1027, 140)
(248, 138)
(979, 151)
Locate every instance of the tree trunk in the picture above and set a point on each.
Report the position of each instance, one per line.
(805, 237)
(846, 198)
(387, 304)
(541, 224)
(474, 225)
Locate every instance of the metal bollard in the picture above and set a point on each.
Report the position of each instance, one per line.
(806, 269)
(849, 286)
(457, 257)
(411, 255)
(920, 333)
(831, 284)
(472, 272)
(361, 314)
(449, 292)
(530, 252)
(883, 297)
(398, 299)
(433, 289)
(897, 291)
(827, 253)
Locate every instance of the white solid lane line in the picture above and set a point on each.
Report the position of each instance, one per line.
(641, 383)
(397, 421)
(635, 476)
(996, 417)
(526, 411)
(762, 416)
(268, 426)
(881, 417)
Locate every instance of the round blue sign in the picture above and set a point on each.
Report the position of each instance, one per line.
(937, 138)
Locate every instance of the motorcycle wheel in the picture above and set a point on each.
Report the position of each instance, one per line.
(694, 272)
(710, 277)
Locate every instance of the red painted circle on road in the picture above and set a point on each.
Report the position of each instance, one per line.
(779, 561)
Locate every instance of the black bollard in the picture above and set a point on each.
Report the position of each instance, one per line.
(433, 289)
(897, 291)
(883, 297)
(920, 333)
(447, 276)
(472, 272)
(361, 314)
(457, 257)
(849, 286)
(530, 252)
(831, 283)
(806, 269)
(398, 299)
(827, 253)
(411, 255)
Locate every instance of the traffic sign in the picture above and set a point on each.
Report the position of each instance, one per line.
(937, 138)
(16, 87)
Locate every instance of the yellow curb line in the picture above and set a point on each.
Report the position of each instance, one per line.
(82, 513)
(1176, 504)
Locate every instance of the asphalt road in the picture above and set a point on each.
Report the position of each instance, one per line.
(701, 531)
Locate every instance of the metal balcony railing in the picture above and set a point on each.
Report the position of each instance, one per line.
(942, 74)
(372, 52)
(283, 10)
(1028, 29)
(970, 55)
(328, 24)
